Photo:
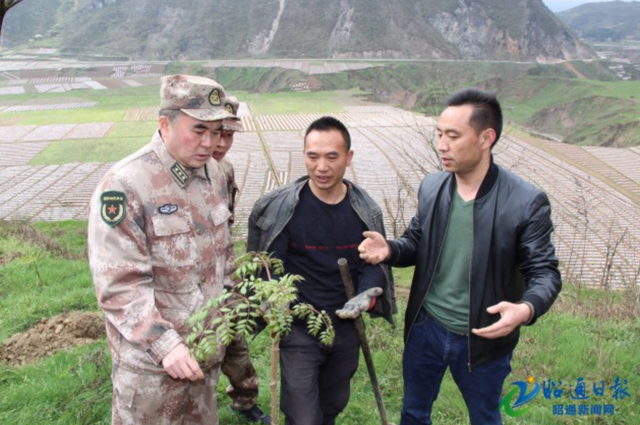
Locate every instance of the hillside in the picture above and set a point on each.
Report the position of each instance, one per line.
(607, 21)
(196, 29)
(548, 99)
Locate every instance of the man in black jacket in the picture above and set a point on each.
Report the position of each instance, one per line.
(309, 224)
(485, 265)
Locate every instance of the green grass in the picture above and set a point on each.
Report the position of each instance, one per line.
(36, 282)
(92, 150)
(69, 235)
(111, 107)
(135, 129)
(74, 387)
(323, 102)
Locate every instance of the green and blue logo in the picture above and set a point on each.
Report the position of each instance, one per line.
(583, 400)
(523, 397)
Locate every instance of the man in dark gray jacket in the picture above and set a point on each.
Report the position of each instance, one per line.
(309, 224)
(485, 265)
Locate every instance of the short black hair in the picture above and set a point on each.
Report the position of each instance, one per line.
(487, 112)
(328, 124)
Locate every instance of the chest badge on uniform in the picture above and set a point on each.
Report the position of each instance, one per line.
(113, 207)
(168, 209)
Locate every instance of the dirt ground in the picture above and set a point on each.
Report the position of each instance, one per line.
(52, 335)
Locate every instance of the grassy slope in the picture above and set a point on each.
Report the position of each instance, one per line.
(594, 105)
(37, 284)
(525, 90)
(74, 387)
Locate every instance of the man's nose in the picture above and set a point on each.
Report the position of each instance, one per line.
(323, 164)
(443, 146)
(210, 139)
(222, 142)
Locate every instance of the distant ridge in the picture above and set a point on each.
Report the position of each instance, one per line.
(606, 21)
(385, 29)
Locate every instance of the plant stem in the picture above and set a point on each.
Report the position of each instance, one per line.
(273, 386)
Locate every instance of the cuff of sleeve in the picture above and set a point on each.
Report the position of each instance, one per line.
(393, 253)
(163, 345)
(532, 315)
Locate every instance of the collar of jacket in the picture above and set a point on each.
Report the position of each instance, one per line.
(301, 181)
(487, 184)
(182, 175)
(353, 192)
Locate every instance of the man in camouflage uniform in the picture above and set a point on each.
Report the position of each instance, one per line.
(243, 379)
(229, 128)
(159, 247)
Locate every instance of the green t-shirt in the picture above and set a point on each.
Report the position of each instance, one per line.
(447, 300)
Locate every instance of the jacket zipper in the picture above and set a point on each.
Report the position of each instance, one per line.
(470, 269)
(434, 269)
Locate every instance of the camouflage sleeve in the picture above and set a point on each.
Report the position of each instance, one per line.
(121, 266)
(230, 256)
(232, 187)
(233, 193)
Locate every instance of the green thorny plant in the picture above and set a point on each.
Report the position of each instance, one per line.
(234, 313)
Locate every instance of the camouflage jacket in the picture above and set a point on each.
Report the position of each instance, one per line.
(159, 246)
(232, 187)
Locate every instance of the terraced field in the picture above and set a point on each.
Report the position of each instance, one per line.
(595, 192)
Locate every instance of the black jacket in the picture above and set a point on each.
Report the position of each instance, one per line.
(513, 258)
(272, 212)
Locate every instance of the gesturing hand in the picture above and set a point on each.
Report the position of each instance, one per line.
(374, 249)
(511, 316)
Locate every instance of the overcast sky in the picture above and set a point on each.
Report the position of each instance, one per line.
(560, 5)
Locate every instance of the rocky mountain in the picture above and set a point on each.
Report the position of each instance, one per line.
(197, 29)
(606, 21)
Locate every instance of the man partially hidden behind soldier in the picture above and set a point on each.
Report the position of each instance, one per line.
(237, 366)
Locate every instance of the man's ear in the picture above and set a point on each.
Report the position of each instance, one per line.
(488, 138)
(349, 157)
(163, 124)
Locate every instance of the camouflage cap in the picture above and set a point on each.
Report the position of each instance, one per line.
(232, 105)
(200, 98)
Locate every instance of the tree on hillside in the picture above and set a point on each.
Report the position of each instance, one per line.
(5, 5)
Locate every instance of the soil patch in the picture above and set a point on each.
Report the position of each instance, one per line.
(9, 257)
(52, 335)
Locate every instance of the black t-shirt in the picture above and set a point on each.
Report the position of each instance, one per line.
(311, 243)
